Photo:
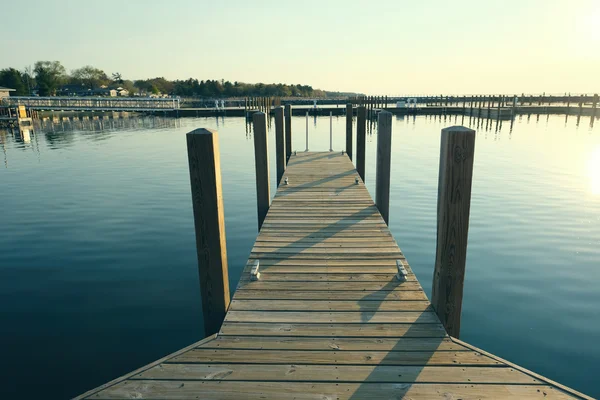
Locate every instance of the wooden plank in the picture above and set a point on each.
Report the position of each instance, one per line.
(333, 330)
(441, 358)
(331, 344)
(331, 263)
(266, 276)
(360, 295)
(389, 252)
(326, 277)
(336, 373)
(331, 305)
(165, 389)
(394, 285)
(332, 270)
(337, 317)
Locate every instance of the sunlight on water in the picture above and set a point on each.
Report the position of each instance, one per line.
(594, 171)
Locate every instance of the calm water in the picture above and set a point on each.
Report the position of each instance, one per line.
(97, 259)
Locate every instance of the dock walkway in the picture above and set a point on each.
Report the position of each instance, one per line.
(328, 318)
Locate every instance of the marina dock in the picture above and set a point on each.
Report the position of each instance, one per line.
(327, 306)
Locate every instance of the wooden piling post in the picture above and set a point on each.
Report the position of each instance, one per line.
(209, 223)
(384, 159)
(349, 130)
(454, 200)
(288, 131)
(261, 162)
(594, 104)
(361, 139)
(279, 143)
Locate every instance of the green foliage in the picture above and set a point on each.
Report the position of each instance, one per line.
(209, 88)
(117, 78)
(90, 77)
(14, 79)
(49, 75)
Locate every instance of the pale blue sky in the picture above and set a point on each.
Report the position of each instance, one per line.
(376, 47)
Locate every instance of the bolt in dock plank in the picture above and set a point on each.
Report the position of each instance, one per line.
(328, 319)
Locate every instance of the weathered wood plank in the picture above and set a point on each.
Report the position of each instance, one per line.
(333, 330)
(263, 356)
(266, 276)
(337, 317)
(218, 390)
(331, 344)
(360, 295)
(330, 286)
(336, 373)
(332, 305)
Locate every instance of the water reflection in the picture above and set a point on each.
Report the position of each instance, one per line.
(594, 171)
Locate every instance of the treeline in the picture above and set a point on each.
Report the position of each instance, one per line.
(48, 78)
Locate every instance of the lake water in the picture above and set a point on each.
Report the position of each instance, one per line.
(98, 271)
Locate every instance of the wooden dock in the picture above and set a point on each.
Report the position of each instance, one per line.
(328, 317)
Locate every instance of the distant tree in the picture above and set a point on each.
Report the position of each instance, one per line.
(49, 75)
(128, 85)
(117, 78)
(13, 79)
(90, 77)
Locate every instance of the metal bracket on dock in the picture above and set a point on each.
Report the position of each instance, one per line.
(342, 152)
(295, 152)
(402, 274)
(286, 181)
(254, 274)
(356, 181)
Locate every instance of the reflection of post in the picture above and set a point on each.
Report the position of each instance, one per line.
(330, 131)
(361, 138)
(261, 161)
(384, 158)
(306, 131)
(209, 223)
(349, 130)
(454, 200)
(279, 143)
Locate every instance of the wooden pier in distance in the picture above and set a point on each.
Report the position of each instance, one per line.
(327, 306)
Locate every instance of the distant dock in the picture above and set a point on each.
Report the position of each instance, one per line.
(483, 106)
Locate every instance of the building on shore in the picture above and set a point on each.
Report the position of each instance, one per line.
(5, 92)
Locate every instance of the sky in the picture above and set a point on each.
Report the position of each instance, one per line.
(384, 47)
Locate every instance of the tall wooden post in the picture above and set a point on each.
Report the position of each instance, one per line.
(454, 200)
(384, 159)
(279, 143)
(349, 130)
(209, 223)
(361, 139)
(261, 162)
(288, 131)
